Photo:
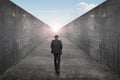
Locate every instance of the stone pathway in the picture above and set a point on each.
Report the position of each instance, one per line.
(75, 65)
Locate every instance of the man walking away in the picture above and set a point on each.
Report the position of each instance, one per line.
(56, 50)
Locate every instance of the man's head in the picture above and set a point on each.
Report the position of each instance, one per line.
(56, 36)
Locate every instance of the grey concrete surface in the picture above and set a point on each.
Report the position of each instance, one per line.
(98, 33)
(20, 32)
(75, 65)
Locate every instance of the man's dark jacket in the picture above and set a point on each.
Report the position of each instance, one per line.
(56, 46)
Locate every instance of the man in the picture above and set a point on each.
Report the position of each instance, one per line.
(56, 50)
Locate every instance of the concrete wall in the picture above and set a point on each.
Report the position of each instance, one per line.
(98, 33)
(20, 32)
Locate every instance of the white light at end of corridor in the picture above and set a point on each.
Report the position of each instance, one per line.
(55, 29)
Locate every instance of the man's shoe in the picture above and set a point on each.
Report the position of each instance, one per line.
(58, 72)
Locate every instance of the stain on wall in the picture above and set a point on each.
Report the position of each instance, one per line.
(98, 33)
(20, 32)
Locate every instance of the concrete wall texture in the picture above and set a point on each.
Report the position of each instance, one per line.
(20, 32)
(98, 33)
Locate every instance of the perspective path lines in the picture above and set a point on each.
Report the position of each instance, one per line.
(75, 65)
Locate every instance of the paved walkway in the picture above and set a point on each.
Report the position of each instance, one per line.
(75, 65)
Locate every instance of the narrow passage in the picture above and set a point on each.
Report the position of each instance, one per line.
(75, 65)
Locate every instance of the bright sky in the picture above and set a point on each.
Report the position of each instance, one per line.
(57, 13)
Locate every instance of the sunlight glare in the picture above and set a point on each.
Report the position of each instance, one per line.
(55, 29)
(55, 26)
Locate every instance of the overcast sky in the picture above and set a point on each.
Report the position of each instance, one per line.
(57, 13)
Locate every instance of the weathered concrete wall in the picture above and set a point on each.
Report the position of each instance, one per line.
(98, 33)
(20, 32)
